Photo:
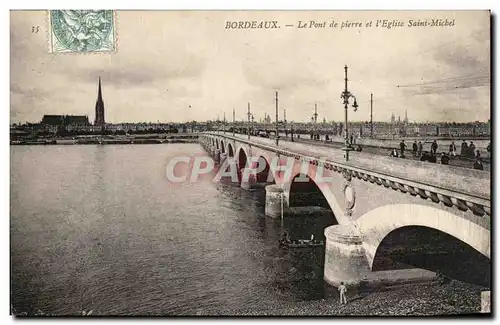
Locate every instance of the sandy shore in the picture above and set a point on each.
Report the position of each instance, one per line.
(452, 298)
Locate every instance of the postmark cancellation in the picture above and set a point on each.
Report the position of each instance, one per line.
(82, 31)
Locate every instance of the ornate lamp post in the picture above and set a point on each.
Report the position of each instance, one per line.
(346, 95)
(234, 122)
(224, 124)
(284, 123)
(277, 127)
(250, 116)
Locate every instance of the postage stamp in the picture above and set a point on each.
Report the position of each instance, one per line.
(82, 31)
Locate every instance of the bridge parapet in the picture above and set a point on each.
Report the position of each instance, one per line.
(464, 189)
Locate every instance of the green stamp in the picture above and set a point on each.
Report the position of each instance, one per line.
(82, 31)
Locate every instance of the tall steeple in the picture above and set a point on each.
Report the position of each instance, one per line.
(99, 92)
(99, 108)
(406, 116)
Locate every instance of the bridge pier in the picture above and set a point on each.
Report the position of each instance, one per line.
(248, 178)
(345, 259)
(274, 197)
(217, 155)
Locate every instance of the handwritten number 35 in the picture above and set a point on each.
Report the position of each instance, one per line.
(35, 29)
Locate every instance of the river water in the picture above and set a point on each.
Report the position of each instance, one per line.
(101, 228)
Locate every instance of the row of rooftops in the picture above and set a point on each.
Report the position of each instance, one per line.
(64, 120)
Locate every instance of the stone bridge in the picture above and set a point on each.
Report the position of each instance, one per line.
(373, 199)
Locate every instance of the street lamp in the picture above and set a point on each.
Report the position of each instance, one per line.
(284, 123)
(346, 95)
(277, 127)
(250, 115)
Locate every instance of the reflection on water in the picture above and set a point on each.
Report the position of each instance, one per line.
(100, 227)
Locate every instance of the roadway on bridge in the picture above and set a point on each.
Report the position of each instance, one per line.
(463, 180)
(384, 151)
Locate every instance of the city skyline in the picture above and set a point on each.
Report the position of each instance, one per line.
(442, 78)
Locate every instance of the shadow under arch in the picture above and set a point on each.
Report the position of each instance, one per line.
(222, 148)
(242, 157)
(264, 175)
(431, 249)
(301, 190)
(304, 192)
(378, 223)
(230, 150)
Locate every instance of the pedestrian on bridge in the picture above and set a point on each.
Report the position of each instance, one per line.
(415, 148)
(402, 147)
(342, 290)
(463, 151)
(420, 148)
(434, 147)
(472, 149)
(453, 149)
(478, 165)
(445, 159)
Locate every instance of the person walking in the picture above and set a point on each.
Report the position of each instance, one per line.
(453, 149)
(415, 148)
(402, 147)
(434, 147)
(343, 290)
(472, 149)
(420, 148)
(463, 149)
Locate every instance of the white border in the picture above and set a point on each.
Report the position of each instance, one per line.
(192, 4)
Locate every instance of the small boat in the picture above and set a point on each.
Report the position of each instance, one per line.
(301, 243)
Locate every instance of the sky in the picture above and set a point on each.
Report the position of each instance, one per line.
(173, 66)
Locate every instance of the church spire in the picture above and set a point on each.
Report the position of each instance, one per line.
(99, 108)
(99, 92)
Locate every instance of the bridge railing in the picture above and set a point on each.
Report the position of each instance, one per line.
(453, 186)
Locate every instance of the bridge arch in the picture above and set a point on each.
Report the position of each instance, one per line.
(302, 185)
(242, 158)
(230, 150)
(263, 162)
(377, 224)
(222, 147)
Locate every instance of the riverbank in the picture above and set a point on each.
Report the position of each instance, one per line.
(453, 298)
(105, 140)
(412, 300)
